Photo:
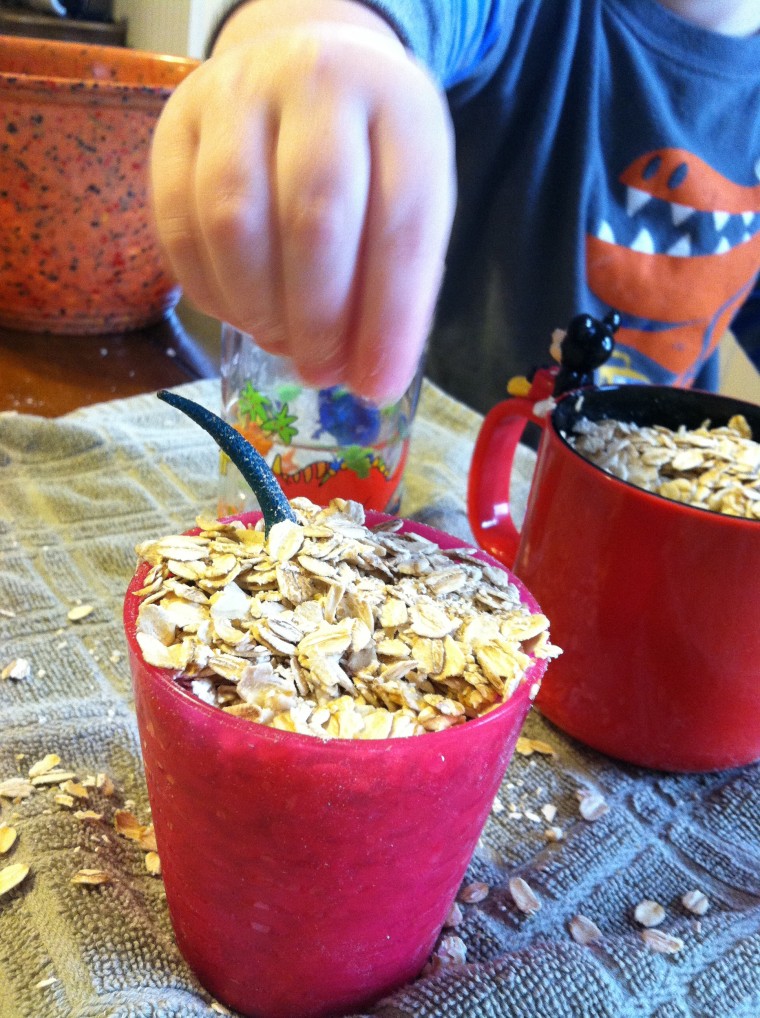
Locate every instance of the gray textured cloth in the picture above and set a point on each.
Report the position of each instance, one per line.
(76, 494)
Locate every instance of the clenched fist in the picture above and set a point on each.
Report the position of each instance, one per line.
(303, 189)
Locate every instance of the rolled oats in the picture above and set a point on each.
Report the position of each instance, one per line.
(695, 902)
(527, 747)
(7, 838)
(454, 917)
(74, 789)
(473, 893)
(56, 776)
(43, 766)
(15, 788)
(105, 784)
(451, 951)
(649, 913)
(329, 628)
(79, 612)
(523, 896)
(11, 876)
(583, 930)
(153, 863)
(19, 668)
(91, 876)
(711, 468)
(662, 943)
(591, 805)
(129, 827)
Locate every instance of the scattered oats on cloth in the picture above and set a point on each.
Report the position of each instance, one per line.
(83, 490)
(330, 628)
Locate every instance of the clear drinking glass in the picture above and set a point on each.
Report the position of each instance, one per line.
(321, 443)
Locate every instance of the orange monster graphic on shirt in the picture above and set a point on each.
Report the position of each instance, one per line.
(677, 266)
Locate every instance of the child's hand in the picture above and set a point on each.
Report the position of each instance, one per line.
(303, 188)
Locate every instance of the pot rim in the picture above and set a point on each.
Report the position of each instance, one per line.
(39, 81)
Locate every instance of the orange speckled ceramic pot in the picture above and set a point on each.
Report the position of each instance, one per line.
(77, 245)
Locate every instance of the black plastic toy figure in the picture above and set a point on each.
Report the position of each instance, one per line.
(587, 344)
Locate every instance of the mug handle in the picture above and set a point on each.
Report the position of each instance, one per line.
(489, 507)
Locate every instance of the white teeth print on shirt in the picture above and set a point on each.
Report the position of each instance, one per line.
(681, 248)
(680, 213)
(655, 226)
(636, 200)
(720, 219)
(643, 242)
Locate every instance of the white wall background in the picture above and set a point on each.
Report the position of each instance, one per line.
(179, 27)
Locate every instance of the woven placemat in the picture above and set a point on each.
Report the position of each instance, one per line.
(76, 495)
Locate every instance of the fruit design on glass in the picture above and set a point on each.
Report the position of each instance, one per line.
(328, 443)
(347, 418)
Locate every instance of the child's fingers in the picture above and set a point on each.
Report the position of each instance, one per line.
(173, 157)
(322, 180)
(235, 212)
(409, 216)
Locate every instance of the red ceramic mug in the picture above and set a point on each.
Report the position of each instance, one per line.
(655, 603)
(306, 877)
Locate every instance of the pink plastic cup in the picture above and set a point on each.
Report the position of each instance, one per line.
(309, 878)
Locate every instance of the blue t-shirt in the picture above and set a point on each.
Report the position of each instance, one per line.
(609, 157)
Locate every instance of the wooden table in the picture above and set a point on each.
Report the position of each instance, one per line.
(51, 375)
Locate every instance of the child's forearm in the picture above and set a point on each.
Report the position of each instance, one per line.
(257, 16)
